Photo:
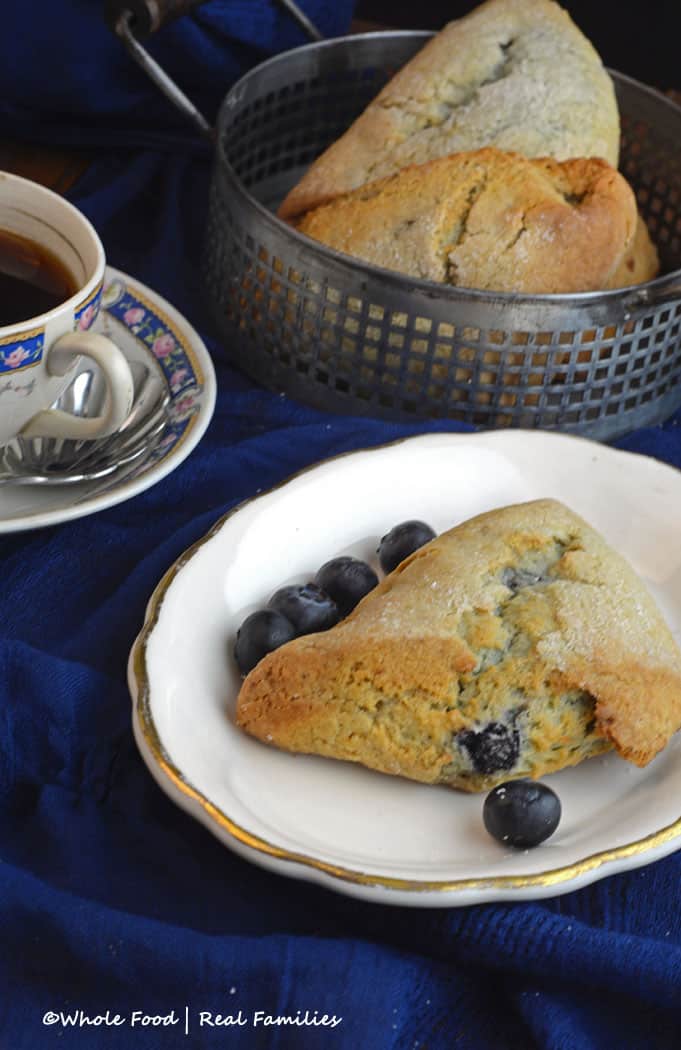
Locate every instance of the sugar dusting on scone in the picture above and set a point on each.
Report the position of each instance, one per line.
(514, 645)
(496, 221)
(515, 74)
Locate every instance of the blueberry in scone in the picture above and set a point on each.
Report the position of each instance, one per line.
(513, 645)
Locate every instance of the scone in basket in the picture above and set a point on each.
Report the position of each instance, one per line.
(350, 337)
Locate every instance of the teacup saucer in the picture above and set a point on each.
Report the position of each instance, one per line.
(148, 330)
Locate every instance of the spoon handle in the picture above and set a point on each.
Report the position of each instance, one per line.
(9, 477)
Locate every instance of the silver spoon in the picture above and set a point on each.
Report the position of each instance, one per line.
(136, 451)
(52, 461)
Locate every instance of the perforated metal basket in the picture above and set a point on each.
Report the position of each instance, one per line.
(354, 338)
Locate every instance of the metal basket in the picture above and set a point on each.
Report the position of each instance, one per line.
(350, 337)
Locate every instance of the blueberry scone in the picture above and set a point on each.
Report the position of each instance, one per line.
(515, 74)
(496, 221)
(511, 646)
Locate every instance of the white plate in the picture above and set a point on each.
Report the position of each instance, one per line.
(143, 325)
(363, 833)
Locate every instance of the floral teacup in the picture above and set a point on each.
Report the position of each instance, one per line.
(38, 355)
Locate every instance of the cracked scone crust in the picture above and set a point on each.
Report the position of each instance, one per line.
(515, 74)
(495, 221)
(513, 645)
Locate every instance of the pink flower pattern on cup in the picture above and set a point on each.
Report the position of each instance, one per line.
(28, 349)
(87, 317)
(14, 358)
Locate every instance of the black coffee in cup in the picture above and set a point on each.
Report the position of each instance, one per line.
(32, 279)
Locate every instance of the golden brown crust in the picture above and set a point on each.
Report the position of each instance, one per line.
(491, 220)
(521, 619)
(515, 74)
(641, 263)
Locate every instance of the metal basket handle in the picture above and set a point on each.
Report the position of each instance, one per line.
(146, 16)
(132, 20)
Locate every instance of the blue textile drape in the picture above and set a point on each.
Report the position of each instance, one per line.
(111, 898)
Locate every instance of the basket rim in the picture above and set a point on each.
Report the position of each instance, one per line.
(659, 291)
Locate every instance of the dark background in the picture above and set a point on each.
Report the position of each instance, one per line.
(641, 39)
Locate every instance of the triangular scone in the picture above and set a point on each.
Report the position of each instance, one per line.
(495, 221)
(515, 74)
(513, 645)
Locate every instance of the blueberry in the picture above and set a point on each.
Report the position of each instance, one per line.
(346, 580)
(259, 634)
(493, 748)
(521, 813)
(515, 579)
(306, 606)
(402, 541)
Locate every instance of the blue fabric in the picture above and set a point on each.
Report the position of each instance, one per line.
(113, 899)
(65, 77)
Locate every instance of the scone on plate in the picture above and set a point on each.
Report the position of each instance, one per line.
(513, 645)
(515, 74)
(495, 221)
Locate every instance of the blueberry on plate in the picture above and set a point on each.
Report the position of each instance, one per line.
(346, 580)
(260, 634)
(306, 606)
(521, 813)
(402, 541)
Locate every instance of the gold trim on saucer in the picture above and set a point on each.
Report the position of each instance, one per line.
(222, 821)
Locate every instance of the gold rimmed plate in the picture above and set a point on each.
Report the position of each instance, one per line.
(369, 835)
